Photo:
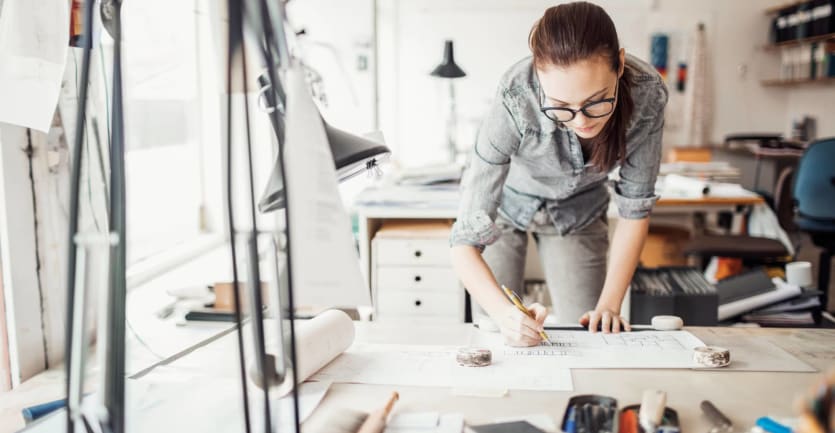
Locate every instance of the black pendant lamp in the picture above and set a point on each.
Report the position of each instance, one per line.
(448, 68)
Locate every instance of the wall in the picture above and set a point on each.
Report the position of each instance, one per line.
(490, 35)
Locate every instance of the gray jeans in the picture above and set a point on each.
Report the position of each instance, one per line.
(574, 264)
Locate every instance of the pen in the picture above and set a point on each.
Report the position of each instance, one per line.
(571, 420)
(518, 303)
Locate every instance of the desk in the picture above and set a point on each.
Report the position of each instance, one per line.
(375, 206)
(743, 396)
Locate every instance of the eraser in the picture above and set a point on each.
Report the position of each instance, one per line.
(667, 323)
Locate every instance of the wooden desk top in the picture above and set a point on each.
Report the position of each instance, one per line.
(709, 201)
(743, 396)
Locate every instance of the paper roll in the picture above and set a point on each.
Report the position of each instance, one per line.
(676, 185)
(319, 341)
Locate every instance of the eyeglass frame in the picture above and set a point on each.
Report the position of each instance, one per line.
(574, 112)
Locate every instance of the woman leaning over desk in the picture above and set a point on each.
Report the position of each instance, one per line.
(562, 119)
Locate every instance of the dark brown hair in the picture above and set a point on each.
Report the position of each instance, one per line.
(572, 32)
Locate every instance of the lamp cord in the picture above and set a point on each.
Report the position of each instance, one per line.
(234, 31)
(255, 277)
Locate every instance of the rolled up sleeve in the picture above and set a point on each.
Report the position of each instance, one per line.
(481, 186)
(634, 191)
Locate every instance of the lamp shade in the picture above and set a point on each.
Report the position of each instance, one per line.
(352, 155)
(448, 68)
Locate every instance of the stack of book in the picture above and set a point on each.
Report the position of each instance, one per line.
(797, 311)
(754, 297)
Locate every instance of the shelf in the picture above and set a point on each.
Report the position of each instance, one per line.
(802, 81)
(776, 9)
(796, 42)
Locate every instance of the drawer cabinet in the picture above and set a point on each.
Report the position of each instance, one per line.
(412, 276)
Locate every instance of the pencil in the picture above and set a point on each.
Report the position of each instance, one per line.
(518, 303)
(376, 421)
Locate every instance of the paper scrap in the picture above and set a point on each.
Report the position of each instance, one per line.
(33, 54)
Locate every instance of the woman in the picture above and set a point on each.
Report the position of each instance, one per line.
(562, 119)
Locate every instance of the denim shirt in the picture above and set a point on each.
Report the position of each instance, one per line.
(522, 161)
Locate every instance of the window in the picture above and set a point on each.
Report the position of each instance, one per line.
(166, 134)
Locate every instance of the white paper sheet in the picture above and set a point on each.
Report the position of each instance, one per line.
(325, 264)
(582, 349)
(34, 38)
(425, 422)
(310, 395)
(418, 365)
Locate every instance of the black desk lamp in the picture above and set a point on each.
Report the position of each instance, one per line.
(450, 70)
(352, 155)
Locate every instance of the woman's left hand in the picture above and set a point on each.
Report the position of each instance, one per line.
(609, 320)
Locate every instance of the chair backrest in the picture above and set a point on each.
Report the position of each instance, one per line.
(784, 200)
(814, 184)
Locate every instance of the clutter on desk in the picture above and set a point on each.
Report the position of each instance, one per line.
(506, 427)
(429, 175)
(676, 290)
(674, 186)
(599, 414)
(717, 171)
(442, 196)
(817, 409)
(542, 421)
(751, 290)
(721, 423)
(590, 414)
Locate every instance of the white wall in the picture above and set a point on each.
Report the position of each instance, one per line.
(490, 35)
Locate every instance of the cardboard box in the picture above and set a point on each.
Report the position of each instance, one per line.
(664, 247)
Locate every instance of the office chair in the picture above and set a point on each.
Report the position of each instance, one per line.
(814, 197)
(751, 249)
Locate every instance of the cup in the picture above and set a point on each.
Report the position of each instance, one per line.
(799, 274)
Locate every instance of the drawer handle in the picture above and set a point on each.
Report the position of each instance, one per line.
(418, 253)
(417, 278)
(417, 302)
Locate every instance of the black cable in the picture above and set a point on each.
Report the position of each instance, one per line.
(256, 302)
(273, 46)
(30, 151)
(234, 31)
(75, 184)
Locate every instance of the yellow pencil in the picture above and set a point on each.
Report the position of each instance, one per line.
(518, 303)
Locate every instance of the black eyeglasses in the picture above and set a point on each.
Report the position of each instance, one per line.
(594, 110)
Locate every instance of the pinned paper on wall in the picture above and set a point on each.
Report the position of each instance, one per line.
(34, 39)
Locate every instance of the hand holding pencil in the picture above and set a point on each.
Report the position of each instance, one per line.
(524, 329)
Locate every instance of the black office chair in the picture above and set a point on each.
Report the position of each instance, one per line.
(814, 197)
(753, 250)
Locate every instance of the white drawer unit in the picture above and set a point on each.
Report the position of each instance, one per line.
(415, 252)
(416, 278)
(412, 276)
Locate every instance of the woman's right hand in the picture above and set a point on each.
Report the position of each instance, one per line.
(517, 328)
